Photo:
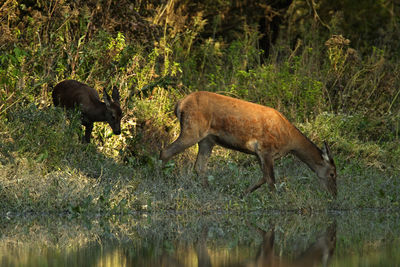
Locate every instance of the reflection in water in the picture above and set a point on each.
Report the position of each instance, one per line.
(318, 253)
(192, 241)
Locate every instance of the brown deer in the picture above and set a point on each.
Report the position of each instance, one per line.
(208, 119)
(73, 94)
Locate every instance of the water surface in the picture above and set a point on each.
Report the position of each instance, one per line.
(188, 239)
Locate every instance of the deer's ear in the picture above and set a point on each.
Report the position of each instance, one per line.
(115, 94)
(326, 152)
(106, 98)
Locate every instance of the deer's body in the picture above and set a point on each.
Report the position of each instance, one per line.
(73, 94)
(208, 119)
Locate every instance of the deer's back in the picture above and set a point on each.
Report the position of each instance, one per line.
(71, 93)
(237, 122)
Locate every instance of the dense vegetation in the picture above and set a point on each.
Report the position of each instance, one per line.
(332, 68)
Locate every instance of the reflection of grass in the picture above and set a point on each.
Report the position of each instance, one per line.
(82, 240)
(368, 238)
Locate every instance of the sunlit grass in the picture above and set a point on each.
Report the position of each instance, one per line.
(61, 175)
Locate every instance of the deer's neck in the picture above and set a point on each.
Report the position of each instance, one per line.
(307, 151)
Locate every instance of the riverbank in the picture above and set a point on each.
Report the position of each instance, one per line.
(45, 168)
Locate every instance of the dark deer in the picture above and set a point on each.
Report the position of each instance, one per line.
(209, 119)
(73, 94)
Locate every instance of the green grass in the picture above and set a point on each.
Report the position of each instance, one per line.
(45, 168)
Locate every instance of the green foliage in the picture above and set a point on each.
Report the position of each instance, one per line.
(43, 134)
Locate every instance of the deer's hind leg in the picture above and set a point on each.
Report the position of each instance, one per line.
(188, 137)
(205, 148)
(179, 145)
(194, 127)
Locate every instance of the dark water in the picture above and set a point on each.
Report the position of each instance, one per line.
(188, 239)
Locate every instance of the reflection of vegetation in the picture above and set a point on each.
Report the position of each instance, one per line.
(185, 239)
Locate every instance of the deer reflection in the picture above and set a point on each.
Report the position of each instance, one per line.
(317, 254)
(198, 254)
